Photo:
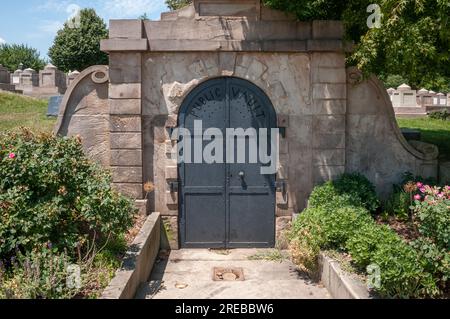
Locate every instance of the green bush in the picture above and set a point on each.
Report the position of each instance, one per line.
(359, 188)
(440, 115)
(348, 190)
(51, 193)
(433, 215)
(366, 242)
(402, 275)
(398, 204)
(338, 218)
(41, 274)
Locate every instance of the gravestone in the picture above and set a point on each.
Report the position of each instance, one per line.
(54, 104)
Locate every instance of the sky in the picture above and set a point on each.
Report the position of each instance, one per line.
(35, 22)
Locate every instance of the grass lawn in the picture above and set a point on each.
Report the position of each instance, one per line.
(435, 132)
(17, 110)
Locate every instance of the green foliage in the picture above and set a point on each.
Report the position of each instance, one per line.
(11, 55)
(433, 215)
(413, 41)
(50, 192)
(347, 226)
(349, 189)
(440, 115)
(76, 48)
(367, 240)
(177, 4)
(402, 275)
(41, 274)
(393, 81)
(398, 204)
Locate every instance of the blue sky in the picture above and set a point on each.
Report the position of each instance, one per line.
(35, 22)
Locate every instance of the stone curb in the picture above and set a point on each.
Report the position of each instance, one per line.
(138, 261)
(339, 283)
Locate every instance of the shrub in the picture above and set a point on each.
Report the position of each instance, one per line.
(348, 190)
(339, 220)
(440, 115)
(433, 214)
(359, 188)
(50, 192)
(41, 274)
(398, 204)
(366, 242)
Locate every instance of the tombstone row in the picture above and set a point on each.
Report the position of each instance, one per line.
(404, 96)
(47, 82)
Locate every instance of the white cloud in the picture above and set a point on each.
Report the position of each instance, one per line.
(54, 5)
(2, 41)
(132, 8)
(50, 26)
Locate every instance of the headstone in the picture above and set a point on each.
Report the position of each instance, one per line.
(54, 104)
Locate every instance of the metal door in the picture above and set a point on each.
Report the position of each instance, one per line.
(226, 204)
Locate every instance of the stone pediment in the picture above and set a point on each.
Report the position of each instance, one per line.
(232, 9)
(225, 25)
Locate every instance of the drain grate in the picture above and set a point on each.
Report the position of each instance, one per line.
(228, 274)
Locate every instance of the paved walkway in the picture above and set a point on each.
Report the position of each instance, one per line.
(188, 274)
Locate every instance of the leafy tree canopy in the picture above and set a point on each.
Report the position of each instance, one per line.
(177, 4)
(11, 55)
(77, 46)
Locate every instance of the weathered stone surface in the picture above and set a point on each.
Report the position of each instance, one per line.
(126, 123)
(131, 29)
(329, 91)
(125, 68)
(329, 141)
(329, 75)
(327, 29)
(171, 172)
(125, 106)
(169, 239)
(127, 174)
(327, 60)
(125, 91)
(329, 124)
(121, 45)
(126, 140)
(329, 107)
(126, 157)
(327, 173)
(134, 191)
(334, 157)
(85, 113)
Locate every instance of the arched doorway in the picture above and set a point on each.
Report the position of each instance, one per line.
(226, 202)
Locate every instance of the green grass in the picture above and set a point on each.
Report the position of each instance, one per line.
(435, 132)
(18, 110)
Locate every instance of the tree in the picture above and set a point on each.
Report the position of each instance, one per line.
(11, 55)
(177, 4)
(413, 40)
(144, 17)
(77, 46)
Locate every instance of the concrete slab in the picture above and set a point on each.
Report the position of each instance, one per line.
(193, 270)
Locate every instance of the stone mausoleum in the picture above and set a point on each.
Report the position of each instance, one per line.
(234, 64)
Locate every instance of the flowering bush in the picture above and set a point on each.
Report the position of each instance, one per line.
(432, 212)
(341, 221)
(50, 192)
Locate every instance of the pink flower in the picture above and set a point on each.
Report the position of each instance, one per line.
(417, 197)
(12, 156)
(419, 185)
(441, 195)
(422, 190)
